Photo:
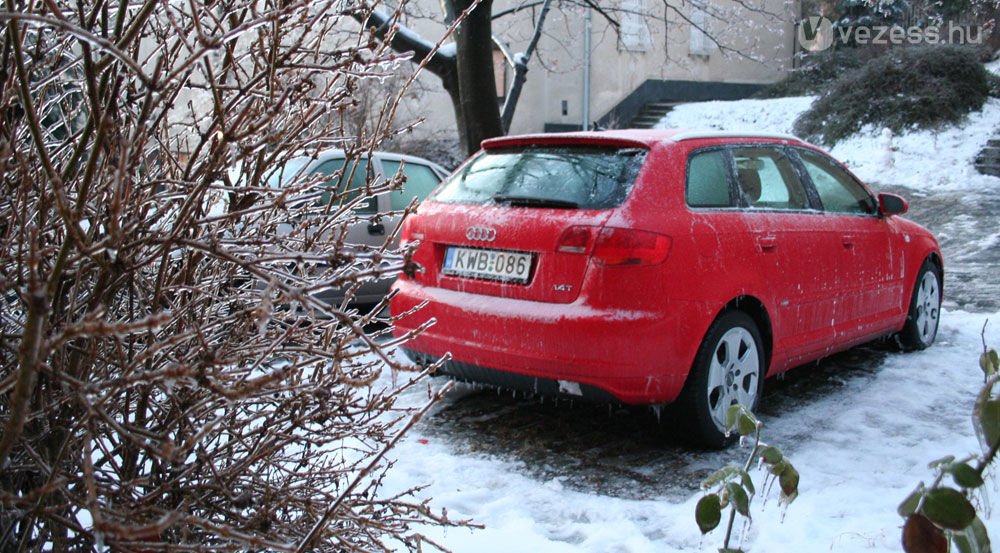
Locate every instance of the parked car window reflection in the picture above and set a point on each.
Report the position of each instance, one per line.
(837, 190)
(767, 179)
(708, 180)
(420, 182)
(283, 174)
(354, 188)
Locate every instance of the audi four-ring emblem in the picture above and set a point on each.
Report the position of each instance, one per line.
(481, 234)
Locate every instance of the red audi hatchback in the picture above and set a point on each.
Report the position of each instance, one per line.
(655, 267)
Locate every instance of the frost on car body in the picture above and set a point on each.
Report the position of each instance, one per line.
(650, 267)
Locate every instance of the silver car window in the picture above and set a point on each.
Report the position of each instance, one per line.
(421, 180)
(340, 189)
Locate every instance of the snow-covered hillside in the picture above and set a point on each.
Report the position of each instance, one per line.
(861, 444)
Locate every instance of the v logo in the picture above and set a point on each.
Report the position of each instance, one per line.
(810, 27)
(815, 33)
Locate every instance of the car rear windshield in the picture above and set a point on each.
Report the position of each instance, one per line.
(560, 177)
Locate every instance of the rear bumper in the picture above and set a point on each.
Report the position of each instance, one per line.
(532, 385)
(634, 357)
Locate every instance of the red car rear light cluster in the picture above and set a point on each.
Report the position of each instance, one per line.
(617, 246)
(574, 240)
(405, 232)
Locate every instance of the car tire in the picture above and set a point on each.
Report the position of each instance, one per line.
(924, 316)
(728, 369)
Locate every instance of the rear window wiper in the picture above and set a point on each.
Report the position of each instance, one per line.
(530, 201)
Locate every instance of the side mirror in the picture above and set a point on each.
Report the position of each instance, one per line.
(376, 229)
(891, 204)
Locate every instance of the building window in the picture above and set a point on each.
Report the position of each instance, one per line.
(700, 44)
(634, 31)
(500, 74)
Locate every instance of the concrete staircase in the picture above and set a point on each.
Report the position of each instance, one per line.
(988, 160)
(651, 113)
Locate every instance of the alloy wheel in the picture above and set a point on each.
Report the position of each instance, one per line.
(928, 307)
(733, 375)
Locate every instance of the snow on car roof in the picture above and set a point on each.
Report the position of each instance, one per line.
(692, 135)
(624, 137)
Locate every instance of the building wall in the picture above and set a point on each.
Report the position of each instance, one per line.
(753, 48)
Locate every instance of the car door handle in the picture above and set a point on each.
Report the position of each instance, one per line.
(848, 242)
(767, 243)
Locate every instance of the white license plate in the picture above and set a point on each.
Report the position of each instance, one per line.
(491, 264)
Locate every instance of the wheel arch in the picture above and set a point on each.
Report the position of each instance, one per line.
(756, 310)
(935, 258)
(694, 401)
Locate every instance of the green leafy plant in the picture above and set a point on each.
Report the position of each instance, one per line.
(732, 487)
(943, 517)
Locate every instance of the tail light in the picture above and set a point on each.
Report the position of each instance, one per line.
(404, 233)
(616, 246)
(574, 240)
(628, 247)
(409, 232)
(407, 236)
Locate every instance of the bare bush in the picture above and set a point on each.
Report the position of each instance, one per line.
(168, 380)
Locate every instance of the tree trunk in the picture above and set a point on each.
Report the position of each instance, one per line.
(477, 110)
(520, 63)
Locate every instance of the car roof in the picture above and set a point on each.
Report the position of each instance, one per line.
(643, 138)
(337, 153)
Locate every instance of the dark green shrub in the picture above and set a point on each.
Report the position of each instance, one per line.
(906, 88)
(816, 72)
(994, 82)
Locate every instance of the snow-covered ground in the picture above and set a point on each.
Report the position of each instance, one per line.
(860, 450)
(861, 446)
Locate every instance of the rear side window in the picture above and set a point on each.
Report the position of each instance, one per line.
(708, 180)
(566, 177)
(352, 183)
(767, 179)
(420, 182)
(287, 172)
(837, 190)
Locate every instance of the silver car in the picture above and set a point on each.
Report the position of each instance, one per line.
(381, 211)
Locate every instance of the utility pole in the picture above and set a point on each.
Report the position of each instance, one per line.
(586, 69)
